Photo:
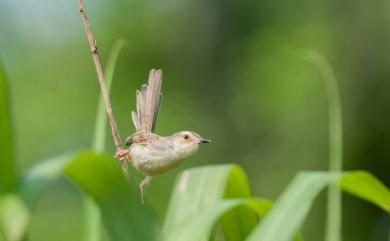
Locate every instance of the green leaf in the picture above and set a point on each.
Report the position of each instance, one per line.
(198, 226)
(261, 206)
(36, 179)
(293, 205)
(7, 163)
(46, 172)
(100, 177)
(239, 222)
(14, 218)
(124, 216)
(198, 191)
(92, 218)
(334, 210)
(368, 187)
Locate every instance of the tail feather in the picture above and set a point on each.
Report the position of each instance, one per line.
(148, 103)
(136, 122)
(140, 107)
(156, 111)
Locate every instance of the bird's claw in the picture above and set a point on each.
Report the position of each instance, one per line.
(122, 154)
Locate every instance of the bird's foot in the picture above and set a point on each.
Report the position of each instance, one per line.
(122, 154)
(143, 185)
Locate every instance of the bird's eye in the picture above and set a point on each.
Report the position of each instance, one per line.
(186, 137)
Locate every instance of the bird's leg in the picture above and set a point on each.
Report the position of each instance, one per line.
(143, 185)
(122, 154)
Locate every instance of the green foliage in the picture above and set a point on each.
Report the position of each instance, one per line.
(7, 163)
(118, 201)
(200, 191)
(368, 187)
(292, 207)
(14, 217)
(33, 182)
(334, 211)
(204, 199)
(239, 222)
(123, 214)
(199, 201)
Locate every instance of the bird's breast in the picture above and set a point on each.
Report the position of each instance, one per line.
(155, 158)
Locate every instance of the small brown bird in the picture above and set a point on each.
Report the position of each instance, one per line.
(150, 153)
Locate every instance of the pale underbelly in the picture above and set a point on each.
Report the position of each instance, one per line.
(150, 163)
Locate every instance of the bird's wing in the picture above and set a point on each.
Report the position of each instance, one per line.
(149, 99)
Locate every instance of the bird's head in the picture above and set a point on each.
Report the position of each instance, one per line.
(187, 142)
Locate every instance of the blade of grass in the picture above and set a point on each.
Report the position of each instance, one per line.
(92, 212)
(291, 208)
(7, 163)
(198, 226)
(239, 222)
(123, 215)
(198, 189)
(261, 206)
(368, 187)
(334, 211)
(14, 218)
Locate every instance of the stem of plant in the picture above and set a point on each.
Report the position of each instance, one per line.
(334, 211)
(92, 220)
(335, 151)
(105, 94)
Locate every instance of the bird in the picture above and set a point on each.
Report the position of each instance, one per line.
(150, 153)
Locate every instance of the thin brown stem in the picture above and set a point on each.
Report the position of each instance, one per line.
(99, 70)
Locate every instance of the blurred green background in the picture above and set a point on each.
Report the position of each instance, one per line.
(233, 72)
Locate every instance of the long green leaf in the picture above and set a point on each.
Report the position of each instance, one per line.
(198, 189)
(199, 226)
(100, 177)
(14, 217)
(368, 187)
(293, 205)
(7, 163)
(261, 206)
(291, 208)
(239, 222)
(333, 225)
(124, 216)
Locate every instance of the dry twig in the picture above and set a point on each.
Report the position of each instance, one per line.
(99, 70)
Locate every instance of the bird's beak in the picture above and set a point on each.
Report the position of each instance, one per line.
(204, 140)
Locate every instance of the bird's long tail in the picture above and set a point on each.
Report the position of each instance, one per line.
(149, 99)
